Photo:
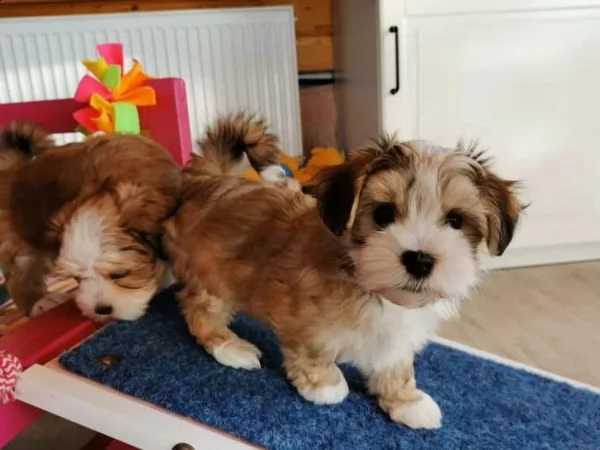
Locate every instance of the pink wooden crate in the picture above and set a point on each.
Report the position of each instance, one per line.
(167, 121)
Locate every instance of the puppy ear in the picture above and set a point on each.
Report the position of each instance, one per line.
(142, 208)
(503, 211)
(335, 190)
(150, 241)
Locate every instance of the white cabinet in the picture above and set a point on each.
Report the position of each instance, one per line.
(520, 76)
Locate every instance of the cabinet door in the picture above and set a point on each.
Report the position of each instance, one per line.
(526, 85)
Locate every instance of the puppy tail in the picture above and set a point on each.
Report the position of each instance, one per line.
(20, 142)
(226, 142)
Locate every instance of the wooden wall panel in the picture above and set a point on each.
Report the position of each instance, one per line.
(318, 115)
(313, 25)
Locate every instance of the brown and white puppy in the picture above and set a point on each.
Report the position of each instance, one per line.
(362, 274)
(91, 211)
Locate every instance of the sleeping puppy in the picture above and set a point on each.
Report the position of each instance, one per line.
(361, 274)
(91, 211)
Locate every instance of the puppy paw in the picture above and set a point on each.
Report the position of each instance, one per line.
(424, 413)
(50, 301)
(239, 354)
(328, 394)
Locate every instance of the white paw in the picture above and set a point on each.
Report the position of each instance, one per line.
(424, 413)
(326, 395)
(50, 301)
(238, 354)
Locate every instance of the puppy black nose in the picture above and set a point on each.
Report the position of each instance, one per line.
(103, 310)
(418, 264)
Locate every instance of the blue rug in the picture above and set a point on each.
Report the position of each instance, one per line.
(486, 405)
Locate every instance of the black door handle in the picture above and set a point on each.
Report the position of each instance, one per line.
(394, 31)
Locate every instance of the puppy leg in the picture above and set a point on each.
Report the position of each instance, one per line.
(25, 281)
(208, 319)
(49, 301)
(398, 395)
(317, 379)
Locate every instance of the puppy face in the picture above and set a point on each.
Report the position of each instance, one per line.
(416, 216)
(117, 268)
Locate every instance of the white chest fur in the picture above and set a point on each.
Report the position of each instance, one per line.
(388, 333)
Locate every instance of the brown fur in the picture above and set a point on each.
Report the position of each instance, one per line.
(239, 134)
(295, 262)
(133, 181)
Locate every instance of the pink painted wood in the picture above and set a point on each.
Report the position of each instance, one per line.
(116, 445)
(43, 338)
(38, 341)
(101, 442)
(16, 417)
(167, 122)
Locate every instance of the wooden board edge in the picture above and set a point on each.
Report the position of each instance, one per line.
(135, 422)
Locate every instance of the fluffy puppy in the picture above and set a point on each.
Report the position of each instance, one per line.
(91, 211)
(361, 274)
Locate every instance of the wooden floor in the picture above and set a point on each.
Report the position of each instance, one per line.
(548, 317)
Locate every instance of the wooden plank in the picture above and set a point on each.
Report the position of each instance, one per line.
(315, 54)
(313, 16)
(313, 25)
(98, 442)
(44, 337)
(127, 419)
(116, 445)
(167, 122)
(15, 418)
(54, 116)
(39, 340)
(101, 442)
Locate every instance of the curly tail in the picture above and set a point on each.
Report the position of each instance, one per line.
(231, 139)
(21, 142)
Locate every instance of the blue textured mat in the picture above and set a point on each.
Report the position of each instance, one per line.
(485, 405)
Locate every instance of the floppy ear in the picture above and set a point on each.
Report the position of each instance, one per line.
(335, 190)
(150, 241)
(503, 211)
(142, 208)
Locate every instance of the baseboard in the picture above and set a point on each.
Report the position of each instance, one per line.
(539, 256)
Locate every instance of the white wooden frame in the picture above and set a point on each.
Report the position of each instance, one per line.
(129, 420)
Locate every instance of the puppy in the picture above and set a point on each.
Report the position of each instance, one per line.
(361, 274)
(91, 211)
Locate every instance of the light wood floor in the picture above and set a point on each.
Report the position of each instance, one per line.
(548, 317)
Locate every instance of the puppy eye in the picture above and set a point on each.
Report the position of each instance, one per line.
(118, 276)
(454, 220)
(384, 214)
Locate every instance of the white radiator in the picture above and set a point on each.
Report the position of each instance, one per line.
(231, 59)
